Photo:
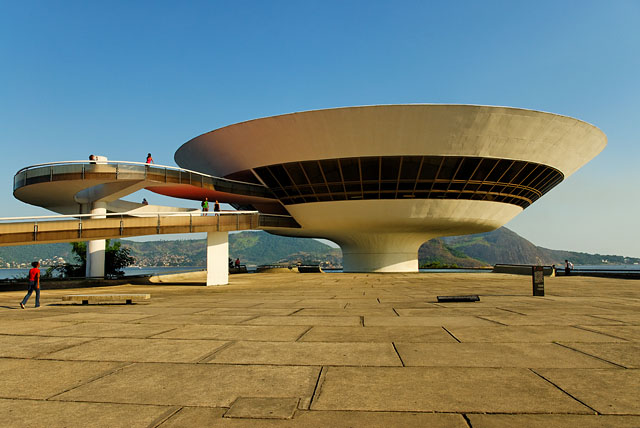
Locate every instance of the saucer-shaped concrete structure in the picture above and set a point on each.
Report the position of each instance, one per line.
(381, 180)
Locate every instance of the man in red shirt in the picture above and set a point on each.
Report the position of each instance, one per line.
(34, 284)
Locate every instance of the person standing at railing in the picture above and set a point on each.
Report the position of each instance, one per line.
(567, 267)
(216, 207)
(205, 206)
(34, 284)
(149, 158)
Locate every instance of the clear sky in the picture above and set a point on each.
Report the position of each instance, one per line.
(121, 78)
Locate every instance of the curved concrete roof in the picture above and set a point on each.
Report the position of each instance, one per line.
(390, 130)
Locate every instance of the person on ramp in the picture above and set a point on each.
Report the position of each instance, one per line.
(34, 284)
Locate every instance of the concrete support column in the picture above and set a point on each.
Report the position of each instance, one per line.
(390, 252)
(217, 258)
(96, 249)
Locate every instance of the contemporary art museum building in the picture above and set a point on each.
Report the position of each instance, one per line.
(381, 180)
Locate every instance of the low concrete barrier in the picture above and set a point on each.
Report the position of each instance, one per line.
(520, 269)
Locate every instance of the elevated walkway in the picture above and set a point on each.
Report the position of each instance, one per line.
(50, 229)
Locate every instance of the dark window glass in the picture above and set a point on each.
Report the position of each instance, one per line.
(503, 165)
(266, 176)
(388, 185)
(338, 196)
(313, 171)
(353, 187)
(350, 169)
(467, 168)
(388, 195)
(472, 187)
(525, 173)
(449, 167)
(390, 168)
(485, 187)
(370, 186)
(336, 188)
(324, 197)
(440, 186)
(370, 168)
(331, 170)
(320, 189)
(424, 185)
(280, 174)
(484, 169)
(370, 195)
(295, 172)
(409, 167)
(305, 190)
(511, 173)
(406, 185)
(456, 186)
(430, 167)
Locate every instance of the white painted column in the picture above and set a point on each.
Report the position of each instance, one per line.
(96, 249)
(217, 258)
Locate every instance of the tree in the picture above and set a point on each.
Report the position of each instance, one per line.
(116, 258)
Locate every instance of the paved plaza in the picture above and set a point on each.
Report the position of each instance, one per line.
(328, 350)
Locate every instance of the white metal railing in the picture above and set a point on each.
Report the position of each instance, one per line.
(150, 165)
(158, 214)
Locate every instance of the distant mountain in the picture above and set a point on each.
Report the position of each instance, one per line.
(256, 248)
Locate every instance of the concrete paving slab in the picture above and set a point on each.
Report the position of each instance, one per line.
(98, 317)
(236, 332)
(633, 318)
(628, 332)
(306, 320)
(431, 321)
(30, 327)
(568, 319)
(263, 408)
(47, 414)
(377, 334)
(524, 355)
(96, 329)
(195, 319)
(248, 311)
(41, 379)
(439, 311)
(323, 312)
(139, 350)
(537, 334)
(608, 391)
(460, 390)
(626, 354)
(33, 346)
(199, 417)
(555, 421)
(196, 384)
(308, 353)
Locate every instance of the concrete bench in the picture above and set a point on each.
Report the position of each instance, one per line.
(106, 298)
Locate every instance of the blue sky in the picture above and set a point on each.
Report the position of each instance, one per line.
(125, 78)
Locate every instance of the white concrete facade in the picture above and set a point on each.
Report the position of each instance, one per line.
(217, 258)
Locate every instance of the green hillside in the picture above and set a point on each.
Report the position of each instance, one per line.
(256, 248)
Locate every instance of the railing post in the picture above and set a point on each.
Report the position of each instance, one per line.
(35, 231)
(80, 229)
(238, 221)
(190, 223)
(218, 222)
(158, 226)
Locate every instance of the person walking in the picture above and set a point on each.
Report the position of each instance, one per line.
(149, 158)
(34, 284)
(205, 206)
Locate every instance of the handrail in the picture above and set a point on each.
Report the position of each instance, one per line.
(134, 214)
(107, 162)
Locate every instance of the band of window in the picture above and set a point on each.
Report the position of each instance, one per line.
(400, 177)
